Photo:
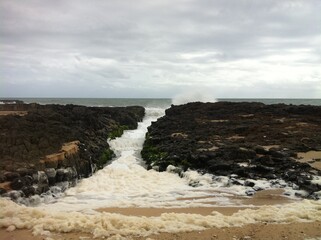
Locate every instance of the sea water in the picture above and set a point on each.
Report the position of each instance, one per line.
(125, 183)
(161, 102)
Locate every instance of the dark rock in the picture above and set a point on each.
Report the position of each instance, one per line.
(2, 178)
(27, 140)
(278, 154)
(17, 184)
(257, 188)
(263, 170)
(70, 173)
(42, 178)
(249, 183)
(24, 171)
(233, 181)
(28, 191)
(10, 176)
(260, 150)
(60, 175)
(2, 191)
(250, 192)
(227, 138)
(51, 175)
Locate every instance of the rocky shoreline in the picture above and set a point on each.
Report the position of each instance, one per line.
(52, 146)
(239, 140)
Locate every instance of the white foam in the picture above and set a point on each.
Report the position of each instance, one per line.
(108, 224)
(316, 180)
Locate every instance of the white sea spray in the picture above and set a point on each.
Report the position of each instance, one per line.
(195, 95)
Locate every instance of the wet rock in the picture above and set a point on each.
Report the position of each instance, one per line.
(27, 141)
(252, 140)
(28, 191)
(234, 181)
(2, 191)
(263, 170)
(278, 154)
(17, 183)
(42, 177)
(70, 174)
(10, 176)
(260, 150)
(20, 182)
(258, 188)
(14, 195)
(2, 178)
(249, 183)
(60, 175)
(25, 171)
(250, 192)
(51, 175)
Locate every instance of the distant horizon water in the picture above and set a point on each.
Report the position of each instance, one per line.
(159, 102)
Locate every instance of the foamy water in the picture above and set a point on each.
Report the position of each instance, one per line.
(104, 224)
(126, 183)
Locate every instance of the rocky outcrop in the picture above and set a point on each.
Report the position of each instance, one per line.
(56, 144)
(243, 140)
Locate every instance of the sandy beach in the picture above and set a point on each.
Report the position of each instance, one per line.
(293, 231)
(262, 230)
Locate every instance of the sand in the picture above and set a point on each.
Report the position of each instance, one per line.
(266, 197)
(294, 231)
(312, 157)
(262, 231)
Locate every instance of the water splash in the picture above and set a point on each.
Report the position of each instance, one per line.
(193, 96)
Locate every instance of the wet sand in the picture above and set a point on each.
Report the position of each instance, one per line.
(312, 157)
(266, 197)
(154, 212)
(262, 231)
(295, 231)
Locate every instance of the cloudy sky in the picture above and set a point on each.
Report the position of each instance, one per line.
(160, 48)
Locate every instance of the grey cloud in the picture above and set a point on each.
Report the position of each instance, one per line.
(153, 45)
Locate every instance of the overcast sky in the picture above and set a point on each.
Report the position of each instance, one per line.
(160, 48)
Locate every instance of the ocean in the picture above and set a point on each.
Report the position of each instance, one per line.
(125, 183)
(157, 102)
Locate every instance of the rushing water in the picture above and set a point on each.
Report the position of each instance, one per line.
(126, 183)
